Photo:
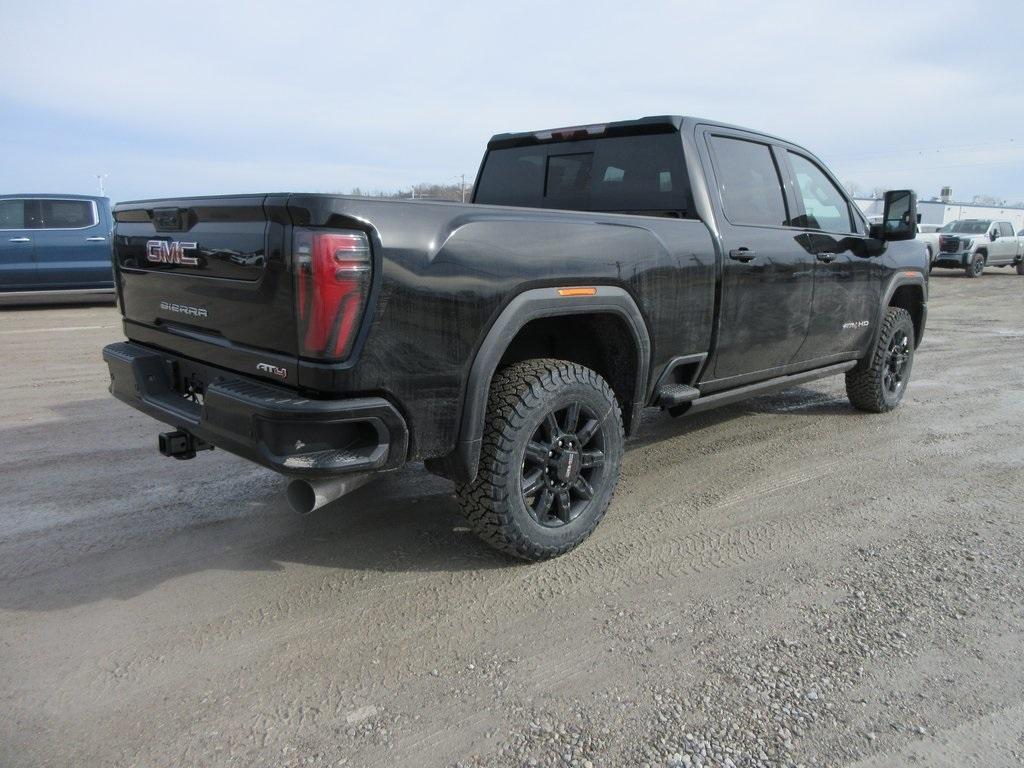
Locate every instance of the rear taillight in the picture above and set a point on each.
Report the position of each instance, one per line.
(332, 280)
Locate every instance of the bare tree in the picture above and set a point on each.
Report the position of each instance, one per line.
(425, 190)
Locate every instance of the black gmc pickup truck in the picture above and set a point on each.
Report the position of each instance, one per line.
(511, 344)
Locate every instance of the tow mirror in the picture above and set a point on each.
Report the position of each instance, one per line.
(993, 235)
(899, 220)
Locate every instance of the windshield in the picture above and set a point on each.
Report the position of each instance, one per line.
(968, 226)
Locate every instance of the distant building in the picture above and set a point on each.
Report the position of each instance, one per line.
(939, 213)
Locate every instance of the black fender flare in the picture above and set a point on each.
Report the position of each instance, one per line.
(462, 463)
(901, 278)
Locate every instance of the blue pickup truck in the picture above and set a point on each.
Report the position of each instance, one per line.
(55, 248)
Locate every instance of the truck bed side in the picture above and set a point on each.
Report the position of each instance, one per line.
(448, 271)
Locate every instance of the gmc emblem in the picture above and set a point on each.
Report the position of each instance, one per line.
(273, 370)
(164, 252)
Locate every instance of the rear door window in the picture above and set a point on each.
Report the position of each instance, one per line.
(12, 214)
(825, 207)
(20, 214)
(748, 182)
(68, 214)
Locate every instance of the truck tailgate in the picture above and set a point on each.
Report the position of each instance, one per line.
(207, 277)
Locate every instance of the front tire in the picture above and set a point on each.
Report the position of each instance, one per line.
(550, 459)
(879, 383)
(976, 267)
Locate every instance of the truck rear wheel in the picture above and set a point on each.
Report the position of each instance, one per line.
(1020, 267)
(549, 463)
(976, 267)
(879, 383)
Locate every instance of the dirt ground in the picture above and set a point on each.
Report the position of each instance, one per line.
(785, 581)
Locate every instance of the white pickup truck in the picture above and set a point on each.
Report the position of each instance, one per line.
(973, 244)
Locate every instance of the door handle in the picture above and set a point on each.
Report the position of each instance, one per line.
(21, 239)
(826, 257)
(742, 254)
(95, 239)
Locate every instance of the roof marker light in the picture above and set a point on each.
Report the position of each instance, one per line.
(572, 132)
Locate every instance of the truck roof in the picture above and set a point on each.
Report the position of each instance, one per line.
(51, 196)
(638, 127)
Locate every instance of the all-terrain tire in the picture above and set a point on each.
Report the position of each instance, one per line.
(977, 266)
(869, 384)
(523, 399)
(1020, 267)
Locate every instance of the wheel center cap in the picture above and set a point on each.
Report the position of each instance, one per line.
(568, 466)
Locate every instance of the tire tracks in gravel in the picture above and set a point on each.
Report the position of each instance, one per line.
(421, 600)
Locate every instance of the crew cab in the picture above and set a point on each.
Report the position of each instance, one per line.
(973, 244)
(511, 344)
(55, 248)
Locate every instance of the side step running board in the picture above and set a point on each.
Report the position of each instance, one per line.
(672, 395)
(760, 388)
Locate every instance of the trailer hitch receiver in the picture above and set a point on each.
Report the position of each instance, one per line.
(182, 445)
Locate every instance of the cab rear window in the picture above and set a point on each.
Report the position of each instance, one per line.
(629, 174)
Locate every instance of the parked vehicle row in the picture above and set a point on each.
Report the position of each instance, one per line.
(512, 343)
(55, 247)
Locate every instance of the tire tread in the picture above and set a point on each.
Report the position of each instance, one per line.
(515, 393)
(864, 384)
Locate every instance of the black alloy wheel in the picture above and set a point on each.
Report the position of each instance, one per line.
(563, 463)
(899, 353)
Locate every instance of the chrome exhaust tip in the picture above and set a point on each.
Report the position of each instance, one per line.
(304, 496)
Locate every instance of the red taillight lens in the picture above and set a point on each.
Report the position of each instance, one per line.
(332, 280)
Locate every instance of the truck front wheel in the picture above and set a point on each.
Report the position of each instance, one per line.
(878, 384)
(976, 267)
(549, 463)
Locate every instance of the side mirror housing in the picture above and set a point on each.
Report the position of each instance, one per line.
(899, 220)
(993, 235)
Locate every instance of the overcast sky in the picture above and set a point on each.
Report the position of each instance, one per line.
(177, 98)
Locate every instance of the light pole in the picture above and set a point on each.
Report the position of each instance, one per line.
(100, 177)
(462, 185)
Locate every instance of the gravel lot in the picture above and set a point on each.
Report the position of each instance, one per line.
(781, 582)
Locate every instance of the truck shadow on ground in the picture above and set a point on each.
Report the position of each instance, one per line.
(144, 520)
